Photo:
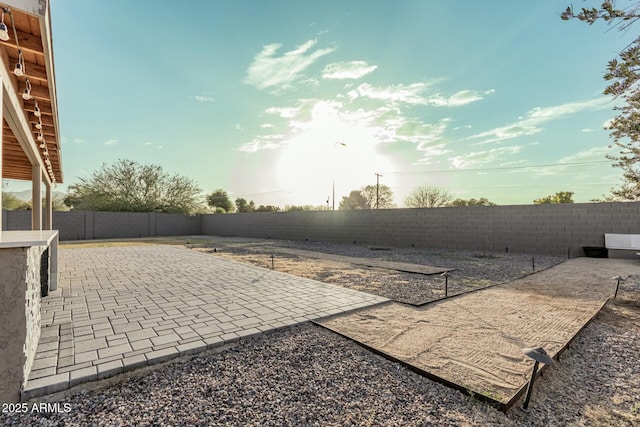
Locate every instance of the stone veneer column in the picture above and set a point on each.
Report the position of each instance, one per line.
(19, 317)
(36, 197)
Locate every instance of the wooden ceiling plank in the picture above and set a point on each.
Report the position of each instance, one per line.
(32, 70)
(45, 107)
(28, 42)
(38, 92)
(46, 120)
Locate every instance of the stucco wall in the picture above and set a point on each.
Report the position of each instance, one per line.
(19, 317)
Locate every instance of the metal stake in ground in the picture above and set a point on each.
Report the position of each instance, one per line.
(446, 283)
(619, 279)
(273, 267)
(540, 356)
(533, 263)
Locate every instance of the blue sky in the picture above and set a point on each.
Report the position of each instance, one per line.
(492, 99)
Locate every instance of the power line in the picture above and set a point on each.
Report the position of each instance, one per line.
(483, 187)
(499, 169)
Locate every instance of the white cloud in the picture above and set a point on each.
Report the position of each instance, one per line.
(429, 152)
(266, 126)
(203, 98)
(567, 163)
(482, 157)
(386, 122)
(531, 123)
(279, 72)
(458, 99)
(264, 142)
(408, 94)
(347, 70)
(78, 141)
(112, 141)
(512, 163)
(591, 155)
(413, 94)
(588, 130)
(568, 109)
(284, 112)
(148, 143)
(607, 124)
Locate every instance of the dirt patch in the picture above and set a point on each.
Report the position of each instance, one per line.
(476, 340)
(325, 262)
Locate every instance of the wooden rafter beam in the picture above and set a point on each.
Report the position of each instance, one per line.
(46, 120)
(44, 106)
(38, 92)
(28, 42)
(32, 70)
(35, 71)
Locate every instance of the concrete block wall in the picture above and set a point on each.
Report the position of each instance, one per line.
(87, 225)
(16, 220)
(544, 229)
(19, 317)
(177, 225)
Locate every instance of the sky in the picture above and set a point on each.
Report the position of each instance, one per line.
(281, 101)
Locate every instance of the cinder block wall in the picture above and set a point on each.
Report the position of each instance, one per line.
(86, 225)
(543, 229)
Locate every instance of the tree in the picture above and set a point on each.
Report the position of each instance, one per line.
(624, 73)
(385, 197)
(355, 200)
(472, 202)
(12, 203)
(428, 197)
(220, 199)
(559, 197)
(128, 186)
(57, 203)
(290, 208)
(243, 206)
(268, 208)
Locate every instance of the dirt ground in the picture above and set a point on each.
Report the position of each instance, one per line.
(362, 267)
(476, 340)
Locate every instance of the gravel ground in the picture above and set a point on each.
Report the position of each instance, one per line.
(307, 376)
(473, 270)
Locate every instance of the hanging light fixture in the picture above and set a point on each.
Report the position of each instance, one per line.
(39, 125)
(27, 91)
(19, 70)
(40, 137)
(36, 110)
(42, 145)
(4, 31)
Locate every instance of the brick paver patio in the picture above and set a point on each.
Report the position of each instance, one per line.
(121, 308)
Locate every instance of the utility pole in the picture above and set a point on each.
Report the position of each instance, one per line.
(377, 189)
